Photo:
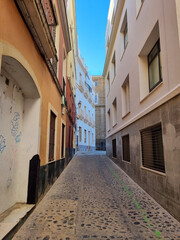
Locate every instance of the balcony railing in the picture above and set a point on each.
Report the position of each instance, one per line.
(80, 86)
(80, 114)
(41, 21)
(85, 117)
(90, 98)
(86, 92)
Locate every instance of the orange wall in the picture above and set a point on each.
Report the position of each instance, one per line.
(14, 31)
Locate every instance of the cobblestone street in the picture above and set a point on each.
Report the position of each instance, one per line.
(94, 199)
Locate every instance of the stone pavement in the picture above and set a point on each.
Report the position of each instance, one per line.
(95, 200)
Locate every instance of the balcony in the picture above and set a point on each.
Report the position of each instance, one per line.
(85, 117)
(41, 28)
(90, 98)
(86, 93)
(93, 103)
(89, 121)
(80, 86)
(80, 114)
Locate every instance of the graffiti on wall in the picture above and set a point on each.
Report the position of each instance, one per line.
(11, 157)
(18, 137)
(2, 143)
(15, 123)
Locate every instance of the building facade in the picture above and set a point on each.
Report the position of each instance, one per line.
(100, 112)
(34, 39)
(143, 93)
(85, 123)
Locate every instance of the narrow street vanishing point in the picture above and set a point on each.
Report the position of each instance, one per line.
(95, 199)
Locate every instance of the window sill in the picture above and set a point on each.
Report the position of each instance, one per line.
(153, 171)
(124, 51)
(114, 125)
(149, 94)
(125, 115)
(126, 161)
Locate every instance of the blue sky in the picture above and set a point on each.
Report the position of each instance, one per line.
(91, 17)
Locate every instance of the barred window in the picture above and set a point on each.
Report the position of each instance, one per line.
(152, 148)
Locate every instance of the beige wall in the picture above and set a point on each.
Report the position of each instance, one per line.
(140, 26)
(100, 112)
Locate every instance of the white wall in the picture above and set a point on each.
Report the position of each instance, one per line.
(84, 102)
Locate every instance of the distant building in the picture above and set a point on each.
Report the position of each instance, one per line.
(100, 113)
(143, 95)
(85, 95)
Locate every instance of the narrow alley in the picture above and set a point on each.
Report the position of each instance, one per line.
(94, 199)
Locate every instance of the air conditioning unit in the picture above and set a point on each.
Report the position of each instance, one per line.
(63, 110)
(62, 100)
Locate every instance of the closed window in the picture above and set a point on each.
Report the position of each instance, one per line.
(84, 136)
(126, 148)
(125, 35)
(154, 66)
(114, 154)
(125, 97)
(152, 148)
(80, 134)
(114, 107)
(52, 136)
(96, 99)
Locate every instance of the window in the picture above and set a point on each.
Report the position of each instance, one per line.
(92, 138)
(108, 82)
(84, 136)
(150, 70)
(114, 148)
(114, 104)
(125, 97)
(80, 134)
(108, 120)
(113, 63)
(64, 87)
(62, 140)
(126, 148)
(152, 148)
(96, 83)
(52, 136)
(96, 98)
(125, 35)
(154, 66)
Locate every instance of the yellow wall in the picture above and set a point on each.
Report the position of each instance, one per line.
(18, 43)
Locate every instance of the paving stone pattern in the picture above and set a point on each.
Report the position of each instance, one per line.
(95, 200)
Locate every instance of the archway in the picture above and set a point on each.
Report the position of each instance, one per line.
(20, 105)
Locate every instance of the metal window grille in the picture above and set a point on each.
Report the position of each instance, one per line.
(126, 148)
(152, 148)
(114, 148)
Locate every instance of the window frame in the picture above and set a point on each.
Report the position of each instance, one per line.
(153, 164)
(125, 34)
(159, 64)
(114, 148)
(123, 148)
